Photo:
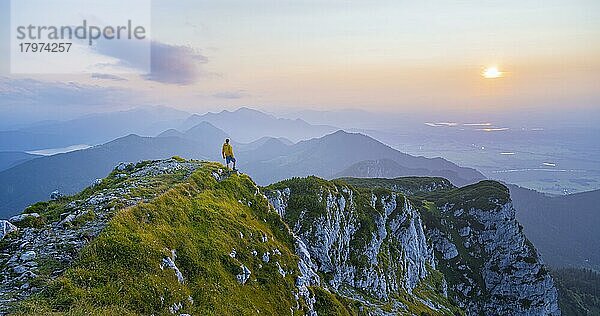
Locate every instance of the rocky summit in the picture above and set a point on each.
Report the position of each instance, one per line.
(179, 237)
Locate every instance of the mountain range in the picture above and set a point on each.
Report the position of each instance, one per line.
(244, 125)
(91, 129)
(268, 160)
(247, 125)
(328, 156)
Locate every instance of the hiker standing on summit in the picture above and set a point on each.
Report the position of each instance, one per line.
(228, 154)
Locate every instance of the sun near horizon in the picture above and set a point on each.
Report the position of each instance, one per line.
(492, 72)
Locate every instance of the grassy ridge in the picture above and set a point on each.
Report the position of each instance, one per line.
(202, 220)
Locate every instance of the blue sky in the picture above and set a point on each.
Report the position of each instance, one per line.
(376, 55)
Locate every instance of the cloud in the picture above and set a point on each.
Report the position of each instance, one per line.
(165, 63)
(30, 100)
(107, 77)
(230, 94)
(175, 64)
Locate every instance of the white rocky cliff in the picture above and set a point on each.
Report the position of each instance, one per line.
(384, 256)
(510, 276)
(384, 247)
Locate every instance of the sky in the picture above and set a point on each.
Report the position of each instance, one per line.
(381, 56)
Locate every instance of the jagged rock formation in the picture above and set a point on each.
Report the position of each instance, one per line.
(495, 270)
(370, 248)
(187, 237)
(489, 265)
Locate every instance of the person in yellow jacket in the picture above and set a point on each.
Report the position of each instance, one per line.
(227, 152)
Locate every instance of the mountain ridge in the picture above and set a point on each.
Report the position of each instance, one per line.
(186, 236)
(247, 125)
(329, 155)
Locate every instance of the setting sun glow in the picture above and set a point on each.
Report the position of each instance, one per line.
(491, 73)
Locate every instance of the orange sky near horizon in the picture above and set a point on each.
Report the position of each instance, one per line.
(395, 56)
(381, 56)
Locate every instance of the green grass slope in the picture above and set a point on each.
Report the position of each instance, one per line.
(201, 220)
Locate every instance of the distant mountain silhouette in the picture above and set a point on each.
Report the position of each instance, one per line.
(172, 133)
(12, 158)
(243, 125)
(257, 143)
(247, 125)
(330, 155)
(91, 129)
(264, 149)
(267, 160)
(203, 133)
(565, 229)
(381, 168)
